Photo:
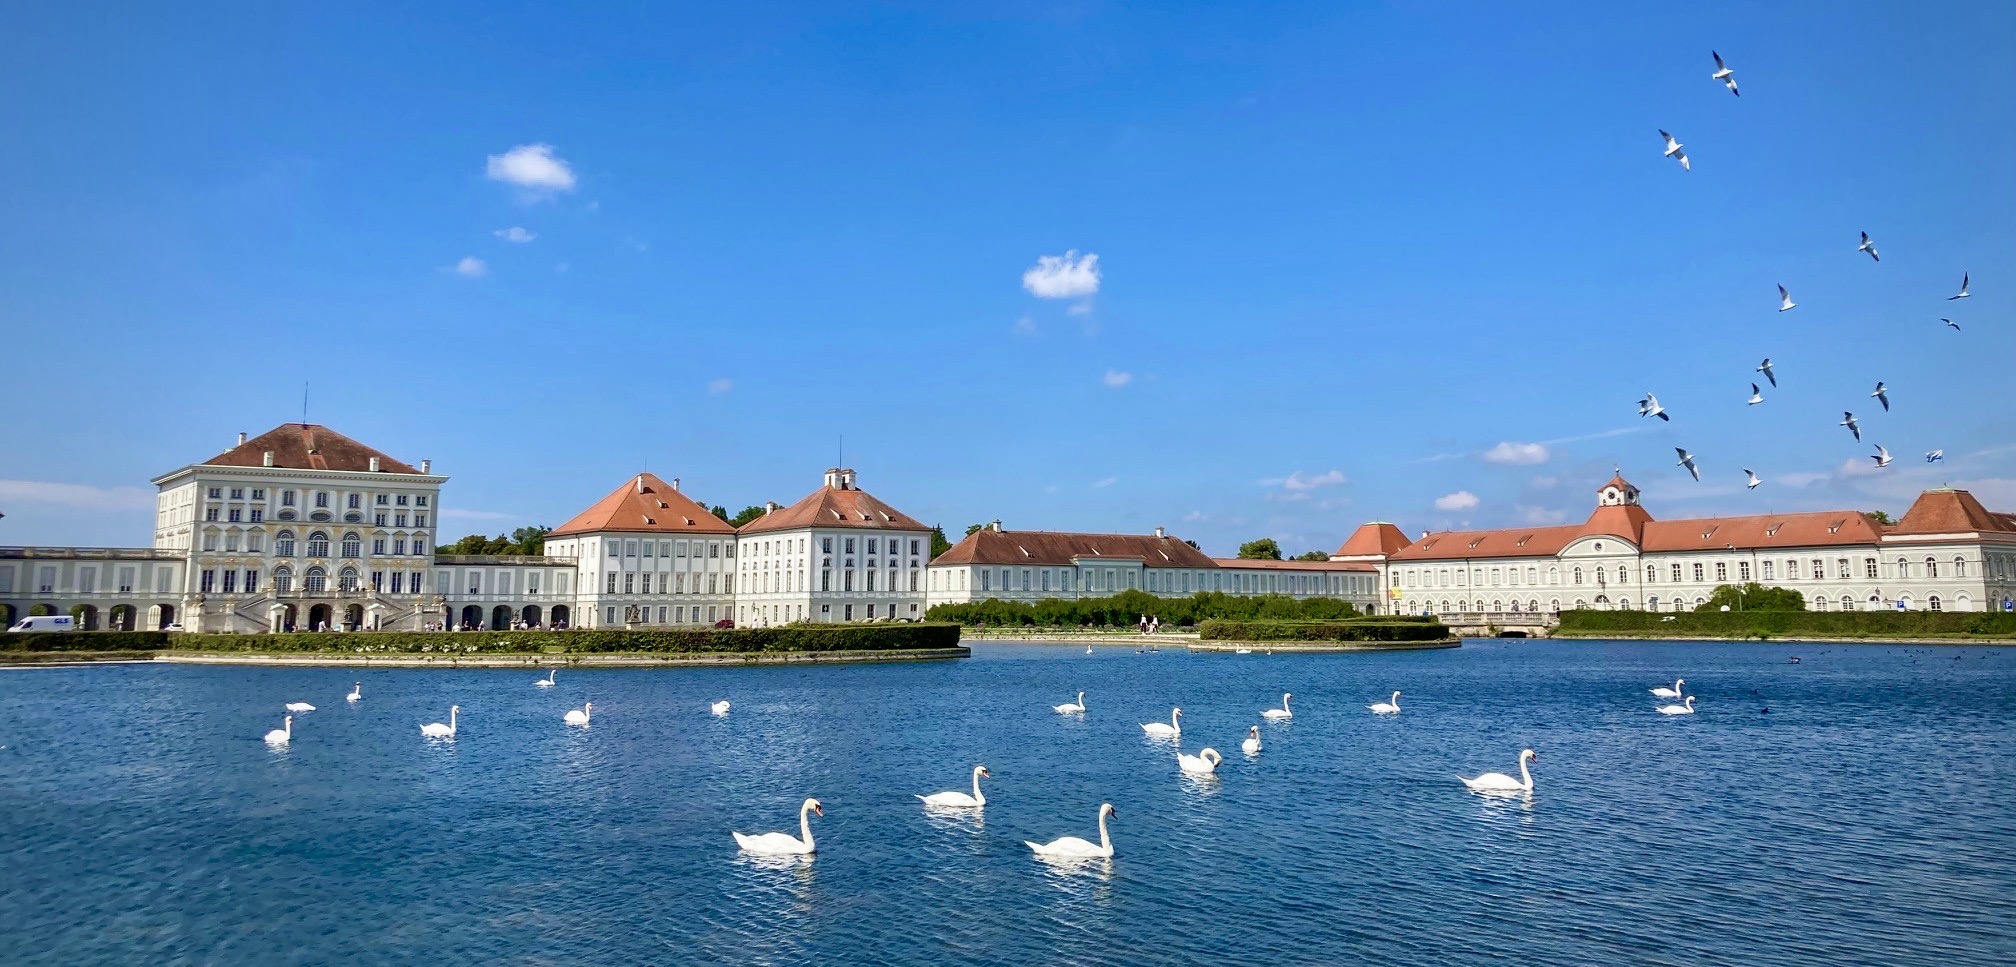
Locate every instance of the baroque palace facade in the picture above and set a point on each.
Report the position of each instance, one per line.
(303, 528)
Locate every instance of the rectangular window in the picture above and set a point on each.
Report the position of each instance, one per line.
(661, 614)
(1792, 570)
(611, 584)
(713, 548)
(286, 498)
(846, 580)
(230, 582)
(216, 493)
(629, 584)
(258, 514)
(420, 501)
(825, 545)
(378, 545)
(615, 549)
(1676, 572)
(321, 498)
(87, 580)
(825, 580)
(629, 548)
(1767, 571)
(399, 545)
(1721, 571)
(378, 520)
(476, 583)
(1697, 571)
(713, 584)
(356, 501)
(209, 542)
(231, 542)
(649, 547)
(237, 493)
(398, 582)
(125, 580)
(209, 581)
(164, 579)
(258, 493)
(1841, 568)
(1868, 567)
(419, 520)
(251, 581)
(384, 499)
(871, 545)
(1743, 570)
(210, 513)
(46, 580)
(235, 515)
(611, 615)
(377, 580)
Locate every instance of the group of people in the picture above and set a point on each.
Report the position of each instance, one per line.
(1149, 624)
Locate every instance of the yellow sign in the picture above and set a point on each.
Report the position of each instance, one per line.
(1393, 593)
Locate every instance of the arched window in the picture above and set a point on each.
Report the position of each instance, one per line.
(347, 581)
(1819, 603)
(1903, 568)
(1932, 602)
(353, 545)
(1959, 567)
(1931, 567)
(1554, 577)
(317, 582)
(318, 544)
(283, 544)
(283, 580)
(1580, 604)
(1847, 603)
(1651, 573)
(1577, 574)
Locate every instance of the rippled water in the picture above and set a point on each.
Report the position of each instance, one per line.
(1865, 818)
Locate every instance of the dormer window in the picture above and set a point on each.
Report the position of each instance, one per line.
(1474, 543)
(1772, 531)
(1835, 528)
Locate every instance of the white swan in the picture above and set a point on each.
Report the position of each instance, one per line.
(579, 716)
(1204, 763)
(1071, 708)
(282, 735)
(1387, 708)
(1088, 649)
(784, 844)
(720, 707)
(1674, 692)
(356, 692)
(1282, 713)
(1174, 727)
(1687, 709)
(1500, 782)
(300, 707)
(1073, 847)
(1252, 744)
(438, 731)
(547, 682)
(960, 799)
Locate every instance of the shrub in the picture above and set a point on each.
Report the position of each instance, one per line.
(1744, 624)
(1222, 630)
(83, 640)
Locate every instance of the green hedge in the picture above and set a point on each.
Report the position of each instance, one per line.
(1124, 609)
(790, 638)
(1220, 630)
(83, 640)
(1760, 624)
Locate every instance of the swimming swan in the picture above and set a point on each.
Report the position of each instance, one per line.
(579, 716)
(720, 707)
(300, 707)
(1072, 847)
(1173, 728)
(1072, 708)
(1500, 782)
(1252, 744)
(1387, 708)
(1674, 692)
(547, 682)
(1687, 709)
(1204, 763)
(960, 799)
(437, 730)
(282, 735)
(356, 692)
(784, 844)
(1282, 712)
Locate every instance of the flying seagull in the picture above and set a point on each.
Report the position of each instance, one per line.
(1949, 322)
(1687, 460)
(1882, 393)
(1881, 456)
(1765, 368)
(1935, 456)
(1868, 246)
(1848, 420)
(1785, 302)
(1752, 483)
(1964, 279)
(1724, 74)
(1756, 395)
(1673, 151)
(1649, 406)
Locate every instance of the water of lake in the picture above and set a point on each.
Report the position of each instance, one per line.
(1866, 817)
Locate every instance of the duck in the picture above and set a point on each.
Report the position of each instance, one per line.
(1500, 782)
(579, 716)
(282, 735)
(1071, 847)
(1283, 713)
(785, 844)
(1204, 763)
(1387, 708)
(1252, 744)
(1687, 709)
(1071, 708)
(960, 800)
(438, 731)
(1173, 728)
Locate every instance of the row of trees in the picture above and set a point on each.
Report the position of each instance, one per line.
(523, 542)
(1127, 607)
(1268, 549)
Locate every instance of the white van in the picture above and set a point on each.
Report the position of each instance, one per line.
(45, 622)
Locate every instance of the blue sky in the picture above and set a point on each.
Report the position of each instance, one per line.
(1353, 261)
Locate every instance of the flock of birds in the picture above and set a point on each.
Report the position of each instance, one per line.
(284, 735)
(1650, 406)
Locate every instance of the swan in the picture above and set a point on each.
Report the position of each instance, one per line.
(1387, 708)
(356, 692)
(1674, 692)
(1073, 847)
(720, 707)
(1204, 763)
(1072, 708)
(547, 682)
(784, 844)
(437, 730)
(1282, 712)
(1500, 782)
(961, 799)
(282, 735)
(579, 716)
(300, 707)
(1088, 649)
(1687, 709)
(1173, 728)
(1252, 744)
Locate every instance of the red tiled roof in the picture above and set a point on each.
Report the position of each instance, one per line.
(1512, 542)
(1376, 539)
(645, 504)
(831, 506)
(1241, 562)
(1057, 548)
(1617, 520)
(1946, 511)
(1818, 529)
(1618, 482)
(307, 446)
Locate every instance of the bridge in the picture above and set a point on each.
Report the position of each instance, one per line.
(1500, 624)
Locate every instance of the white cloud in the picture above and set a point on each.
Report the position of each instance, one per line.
(1312, 481)
(1195, 516)
(1542, 516)
(77, 495)
(1106, 482)
(515, 234)
(1460, 500)
(720, 386)
(472, 267)
(1517, 454)
(459, 513)
(532, 166)
(1025, 326)
(1064, 276)
(1114, 379)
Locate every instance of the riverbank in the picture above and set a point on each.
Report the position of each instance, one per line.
(1989, 640)
(621, 660)
(1322, 647)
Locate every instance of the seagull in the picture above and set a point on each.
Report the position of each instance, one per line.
(1756, 395)
(1687, 460)
(1964, 279)
(1673, 151)
(1868, 246)
(1848, 420)
(1724, 74)
(1935, 456)
(1644, 407)
(1882, 394)
(1955, 326)
(1649, 406)
(1765, 368)
(1785, 302)
(1881, 456)
(1752, 483)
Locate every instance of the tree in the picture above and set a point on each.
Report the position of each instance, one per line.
(970, 528)
(523, 542)
(1754, 597)
(1194, 544)
(939, 544)
(530, 541)
(747, 514)
(1313, 556)
(1263, 549)
(718, 511)
(1879, 517)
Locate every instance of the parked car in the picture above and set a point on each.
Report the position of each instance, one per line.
(725, 623)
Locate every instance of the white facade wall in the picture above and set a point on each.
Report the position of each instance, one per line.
(668, 580)
(841, 574)
(1104, 577)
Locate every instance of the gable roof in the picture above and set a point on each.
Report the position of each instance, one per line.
(833, 505)
(307, 446)
(1763, 531)
(1511, 542)
(1059, 548)
(1376, 539)
(1234, 563)
(645, 504)
(1948, 511)
(1627, 521)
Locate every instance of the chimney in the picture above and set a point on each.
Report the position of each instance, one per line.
(268, 459)
(675, 483)
(771, 506)
(995, 526)
(241, 438)
(640, 483)
(426, 466)
(833, 478)
(374, 464)
(847, 480)
(1159, 532)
